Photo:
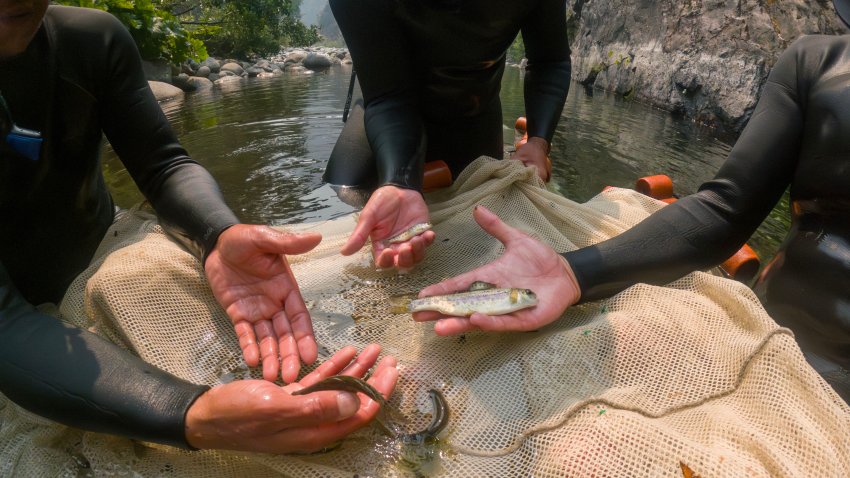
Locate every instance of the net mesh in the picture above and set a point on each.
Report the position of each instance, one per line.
(692, 374)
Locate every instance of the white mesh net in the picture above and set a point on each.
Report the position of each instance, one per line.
(694, 373)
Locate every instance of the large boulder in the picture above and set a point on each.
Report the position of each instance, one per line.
(317, 61)
(164, 91)
(233, 67)
(200, 83)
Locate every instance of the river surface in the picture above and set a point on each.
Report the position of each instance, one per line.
(267, 142)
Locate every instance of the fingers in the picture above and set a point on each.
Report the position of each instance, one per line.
(268, 346)
(363, 362)
(453, 326)
(385, 377)
(301, 326)
(290, 360)
(330, 367)
(271, 240)
(360, 234)
(493, 225)
(248, 342)
(502, 323)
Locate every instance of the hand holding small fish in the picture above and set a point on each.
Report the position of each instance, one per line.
(260, 416)
(251, 279)
(535, 152)
(390, 211)
(526, 263)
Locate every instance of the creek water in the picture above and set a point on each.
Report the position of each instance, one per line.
(267, 141)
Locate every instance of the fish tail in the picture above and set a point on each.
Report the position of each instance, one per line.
(400, 304)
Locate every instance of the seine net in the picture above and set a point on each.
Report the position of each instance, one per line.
(656, 381)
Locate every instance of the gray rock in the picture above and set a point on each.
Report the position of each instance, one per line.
(212, 64)
(317, 61)
(213, 77)
(203, 71)
(707, 60)
(164, 91)
(254, 71)
(233, 68)
(201, 83)
(182, 81)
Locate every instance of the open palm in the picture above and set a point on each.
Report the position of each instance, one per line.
(527, 264)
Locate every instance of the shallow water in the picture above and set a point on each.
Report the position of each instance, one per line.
(267, 142)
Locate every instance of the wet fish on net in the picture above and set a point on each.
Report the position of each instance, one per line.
(439, 420)
(481, 297)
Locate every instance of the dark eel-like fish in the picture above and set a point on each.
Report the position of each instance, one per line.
(347, 383)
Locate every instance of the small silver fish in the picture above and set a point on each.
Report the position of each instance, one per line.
(490, 301)
(414, 230)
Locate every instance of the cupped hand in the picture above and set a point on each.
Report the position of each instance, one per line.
(259, 416)
(535, 152)
(251, 279)
(390, 211)
(526, 264)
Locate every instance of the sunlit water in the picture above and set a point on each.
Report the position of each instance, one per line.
(267, 142)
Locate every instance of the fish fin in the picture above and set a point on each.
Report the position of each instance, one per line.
(400, 304)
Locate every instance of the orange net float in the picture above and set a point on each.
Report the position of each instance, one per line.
(520, 132)
(659, 186)
(741, 266)
(437, 175)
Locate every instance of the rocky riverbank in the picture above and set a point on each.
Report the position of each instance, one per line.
(706, 60)
(168, 83)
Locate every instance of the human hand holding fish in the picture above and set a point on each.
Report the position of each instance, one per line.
(525, 264)
(390, 212)
(260, 416)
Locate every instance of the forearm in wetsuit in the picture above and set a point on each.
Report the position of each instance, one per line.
(547, 77)
(388, 80)
(705, 228)
(185, 196)
(79, 379)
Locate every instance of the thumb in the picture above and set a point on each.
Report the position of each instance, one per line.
(494, 226)
(359, 236)
(322, 407)
(279, 242)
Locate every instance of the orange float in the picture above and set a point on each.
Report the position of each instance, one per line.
(437, 175)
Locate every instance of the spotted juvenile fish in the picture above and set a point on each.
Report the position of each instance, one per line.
(480, 298)
(414, 230)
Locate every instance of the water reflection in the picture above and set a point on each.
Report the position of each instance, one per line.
(267, 142)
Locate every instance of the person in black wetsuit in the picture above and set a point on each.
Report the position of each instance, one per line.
(798, 136)
(430, 72)
(55, 209)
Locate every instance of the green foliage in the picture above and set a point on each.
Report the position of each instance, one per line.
(253, 28)
(516, 51)
(158, 34)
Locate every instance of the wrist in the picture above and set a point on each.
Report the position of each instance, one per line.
(571, 278)
(539, 142)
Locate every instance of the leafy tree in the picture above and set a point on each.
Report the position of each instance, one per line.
(158, 34)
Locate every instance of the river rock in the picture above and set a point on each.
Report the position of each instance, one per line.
(204, 71)
(707, 60)
(212, 64)
(200, 83)
(232, 67)
(164, 91)
(182, 81)
(317, 61)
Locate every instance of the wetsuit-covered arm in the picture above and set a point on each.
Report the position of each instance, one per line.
(381, 58)
(79, 379)
(187, 199)
(547, 78)
(705, 228)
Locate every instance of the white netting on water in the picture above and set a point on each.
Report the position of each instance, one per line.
(694, 373)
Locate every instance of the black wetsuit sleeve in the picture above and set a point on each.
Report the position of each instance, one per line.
(79, 379)
(702, 230)
(185, 196)
(388, 81)
(547, 77)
